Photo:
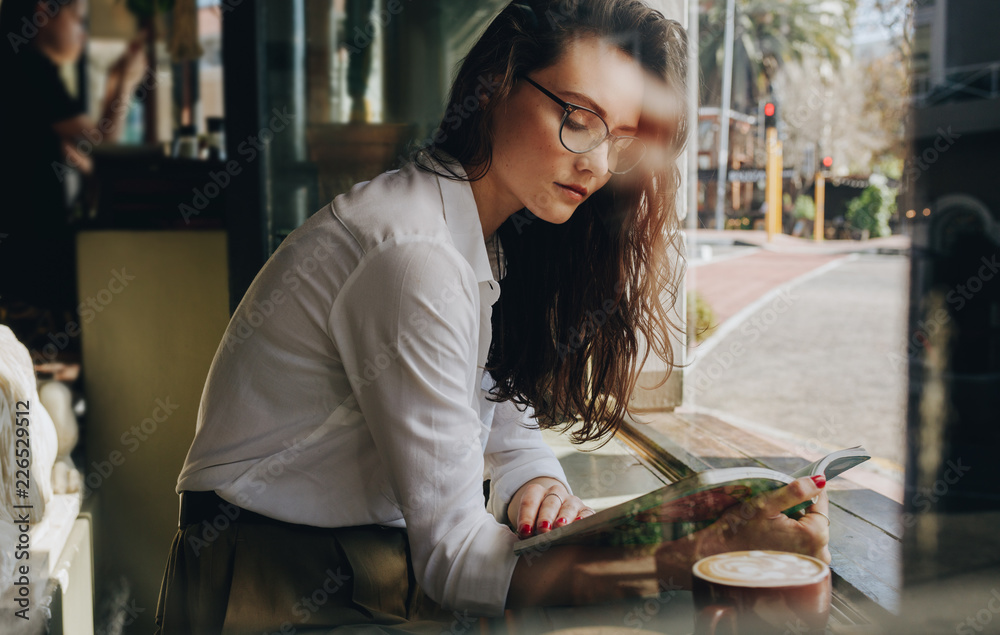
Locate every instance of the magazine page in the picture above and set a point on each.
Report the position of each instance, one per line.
(684, 507)
(835, 463)
(668, 513)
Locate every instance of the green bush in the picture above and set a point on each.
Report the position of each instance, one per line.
(700, 318)
(871, 210)
(805, 208)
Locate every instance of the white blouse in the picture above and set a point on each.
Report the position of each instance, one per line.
(349, 387)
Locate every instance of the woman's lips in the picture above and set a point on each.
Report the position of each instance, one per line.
(574, 192)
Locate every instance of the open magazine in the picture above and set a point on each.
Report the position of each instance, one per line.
(691, 504)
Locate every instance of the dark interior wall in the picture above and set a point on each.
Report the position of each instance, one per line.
(971, 32)
(951, 497)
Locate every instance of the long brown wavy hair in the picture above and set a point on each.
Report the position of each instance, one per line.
(576, 295)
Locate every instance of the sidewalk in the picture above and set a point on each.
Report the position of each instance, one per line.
(789, 244)
(814, 369)
(730, 285)
(734, 283)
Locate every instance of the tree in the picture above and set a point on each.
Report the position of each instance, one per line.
(857, 113)
(805, 207)
(871, 211)
(896, 16)
(769, 33)
(835, 112)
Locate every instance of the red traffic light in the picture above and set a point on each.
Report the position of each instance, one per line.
(769, 109)
(828, 162)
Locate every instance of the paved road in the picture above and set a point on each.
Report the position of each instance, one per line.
(730, 284)
(816, 364)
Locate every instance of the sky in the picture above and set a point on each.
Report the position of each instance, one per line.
(869, 29)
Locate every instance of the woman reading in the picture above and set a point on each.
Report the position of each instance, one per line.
(412, 337)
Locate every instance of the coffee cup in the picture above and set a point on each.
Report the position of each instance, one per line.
(760, 592)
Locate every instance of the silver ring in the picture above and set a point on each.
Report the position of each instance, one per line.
(553, 494)
(824, 516)
(588, 509)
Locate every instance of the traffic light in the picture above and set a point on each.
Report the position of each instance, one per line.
(827, 162)
(770, 115)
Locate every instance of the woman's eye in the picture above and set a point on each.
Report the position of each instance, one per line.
(575, 125)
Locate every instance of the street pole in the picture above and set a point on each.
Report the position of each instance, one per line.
(779, 168)
(772, 220)
(693, 92)
(820, 206)
(727, 96)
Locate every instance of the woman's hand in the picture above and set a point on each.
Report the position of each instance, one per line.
(760, 524)
(756, 524)
(543, 504)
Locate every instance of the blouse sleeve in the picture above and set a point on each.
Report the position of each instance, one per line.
(406, 328)
(515, 454)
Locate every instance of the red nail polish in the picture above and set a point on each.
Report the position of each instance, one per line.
(578, 518)
(545, 524)
(561, 521)
(820, 480)
(525, 529)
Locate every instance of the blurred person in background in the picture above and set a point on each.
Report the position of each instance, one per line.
(48, 138)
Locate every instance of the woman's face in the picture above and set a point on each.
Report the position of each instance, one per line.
(531, 168)
(63, 36)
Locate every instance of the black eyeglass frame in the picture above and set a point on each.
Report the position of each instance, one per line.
(569, 108)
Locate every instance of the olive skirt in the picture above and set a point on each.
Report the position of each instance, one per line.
(252, 574)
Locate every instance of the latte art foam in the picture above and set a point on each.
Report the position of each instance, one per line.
(760, 569)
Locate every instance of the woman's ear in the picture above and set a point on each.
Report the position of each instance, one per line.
(485, 95)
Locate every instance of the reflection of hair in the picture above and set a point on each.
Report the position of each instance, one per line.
(576, 296)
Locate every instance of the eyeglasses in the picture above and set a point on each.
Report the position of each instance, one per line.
(582, 130)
